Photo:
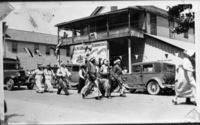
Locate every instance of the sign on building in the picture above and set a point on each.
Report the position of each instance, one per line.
(99, 50)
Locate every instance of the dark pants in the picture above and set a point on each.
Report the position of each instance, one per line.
(81, 84)
(63, 85)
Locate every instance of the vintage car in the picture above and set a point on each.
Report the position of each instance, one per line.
(13, 76)
(152, 76)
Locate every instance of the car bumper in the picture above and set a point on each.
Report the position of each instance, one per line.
(169, 86)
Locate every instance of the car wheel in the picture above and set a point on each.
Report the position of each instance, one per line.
(132, 90)
(32, 83)
(10, 84)
(153, 88)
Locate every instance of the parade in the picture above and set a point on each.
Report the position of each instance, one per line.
(98, 64)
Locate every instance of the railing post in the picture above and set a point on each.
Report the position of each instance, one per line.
(107, 25)
(129, 22)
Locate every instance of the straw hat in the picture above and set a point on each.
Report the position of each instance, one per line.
(92, 58)
(118, 60)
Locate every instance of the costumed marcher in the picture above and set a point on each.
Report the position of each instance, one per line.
(39, 74)
(185, 85)
(82, 78)
(92, 80)
(117, 73)
(48, 74)
(105, 74)
(63, 84)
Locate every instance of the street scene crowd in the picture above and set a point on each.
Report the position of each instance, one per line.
(103, 79)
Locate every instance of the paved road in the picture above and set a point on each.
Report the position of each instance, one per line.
(27, 106)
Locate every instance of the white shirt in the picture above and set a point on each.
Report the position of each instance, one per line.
(63, 72)
(48, 74)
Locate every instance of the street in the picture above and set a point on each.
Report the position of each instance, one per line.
(27, 106)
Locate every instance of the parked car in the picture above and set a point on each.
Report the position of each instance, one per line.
(152, 76)
(13, 76)
(73, 69)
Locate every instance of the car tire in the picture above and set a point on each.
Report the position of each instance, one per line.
(153, 88)
(10, 84)
(32, 83)
(132, 90)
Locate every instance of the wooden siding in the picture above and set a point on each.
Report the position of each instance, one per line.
(155, 50)
(31, 63)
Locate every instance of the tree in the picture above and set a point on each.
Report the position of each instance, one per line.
(185, 20)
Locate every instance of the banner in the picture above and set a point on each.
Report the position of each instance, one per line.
(99, 50)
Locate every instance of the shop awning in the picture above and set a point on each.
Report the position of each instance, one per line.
(180, 44)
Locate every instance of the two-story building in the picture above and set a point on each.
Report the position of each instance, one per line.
(17, 40)
(135, 34)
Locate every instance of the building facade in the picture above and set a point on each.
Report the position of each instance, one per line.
(17, 40)
(135, 34)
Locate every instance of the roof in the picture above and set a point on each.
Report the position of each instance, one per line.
(180, 44)
(150, 62)
(28, 36)
(96, 13)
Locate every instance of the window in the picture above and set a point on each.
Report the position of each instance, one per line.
(136, 68)
(10, 66)
(171, 27)
(68, 52)
(14, 47)
(75, 68)
(186, 34)
(47, 50)
(148, 68)
(36, 47)
(170, 68)
(153, 24)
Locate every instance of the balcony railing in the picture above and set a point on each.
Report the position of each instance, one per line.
(103, 35)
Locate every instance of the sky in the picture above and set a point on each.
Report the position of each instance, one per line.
(43, 16)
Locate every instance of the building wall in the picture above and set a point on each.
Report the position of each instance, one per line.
(155, 50)
(163, 29)
(31, 62)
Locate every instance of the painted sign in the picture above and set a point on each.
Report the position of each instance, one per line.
(98, 50)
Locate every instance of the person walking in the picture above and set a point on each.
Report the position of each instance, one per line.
(38, 73)
(92, 80)
(82, 78)
(105, 75)
(117, 73)
(185, 86)
(62, 73)
(48, 74)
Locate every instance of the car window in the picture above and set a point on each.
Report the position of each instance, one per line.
(148, 68)
(75, 68)
(10, 66)
(136, 68)
(170, 68)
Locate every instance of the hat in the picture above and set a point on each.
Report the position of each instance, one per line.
(118, 60)
(189, 52)
(39, 65)
(92, 58)
(62, 63)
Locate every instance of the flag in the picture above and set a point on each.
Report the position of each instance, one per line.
(58, 46)
(166, 55)
(71, 51)
(28, 52)
(38, 52)
(17, 59)
(136, 56)
(5, 9)
(176, 54)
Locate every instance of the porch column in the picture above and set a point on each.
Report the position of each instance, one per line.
(129, 56)
(58, 54)
(108, 51)
(2, 115)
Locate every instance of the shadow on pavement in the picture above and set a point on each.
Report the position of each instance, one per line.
(19, 89)
(184, 103)
(7, 117)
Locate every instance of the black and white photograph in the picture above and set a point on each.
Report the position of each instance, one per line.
(99, 62)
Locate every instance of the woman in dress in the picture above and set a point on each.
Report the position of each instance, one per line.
(39, 73)
(185, 86)
(48, 74)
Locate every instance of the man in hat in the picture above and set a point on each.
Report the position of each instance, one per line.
(38, 73)
(48, 74)
(117, 73)
(92, 80)
(62, 73)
